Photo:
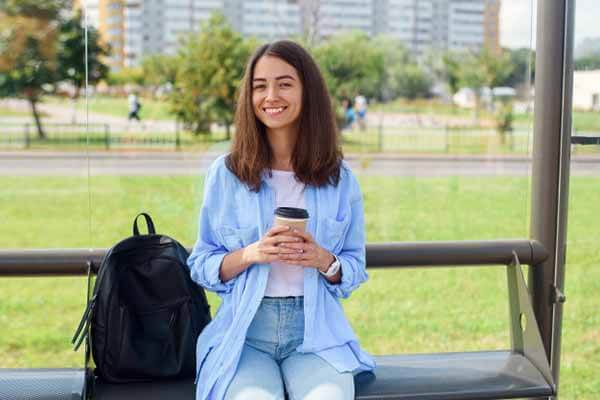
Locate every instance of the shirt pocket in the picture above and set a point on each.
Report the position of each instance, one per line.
(333, 233)
(235, 238)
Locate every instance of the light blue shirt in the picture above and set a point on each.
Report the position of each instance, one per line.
(233, 217)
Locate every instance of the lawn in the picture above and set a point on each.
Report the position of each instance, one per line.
(9, 112)
(582, 120)
(117, 106)
(404, 311)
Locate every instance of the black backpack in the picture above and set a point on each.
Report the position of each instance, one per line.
(145, 313)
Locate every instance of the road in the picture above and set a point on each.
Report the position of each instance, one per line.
(172, 163)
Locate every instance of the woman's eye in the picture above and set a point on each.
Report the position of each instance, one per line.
(285, 85)
(258, 87)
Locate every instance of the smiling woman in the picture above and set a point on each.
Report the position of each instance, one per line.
(281, 328)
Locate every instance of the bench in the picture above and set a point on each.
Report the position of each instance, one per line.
(522, 371)
(472, 375)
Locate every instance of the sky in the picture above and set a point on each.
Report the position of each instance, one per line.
(516, 21)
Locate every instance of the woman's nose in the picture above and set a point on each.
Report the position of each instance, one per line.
(272, 92)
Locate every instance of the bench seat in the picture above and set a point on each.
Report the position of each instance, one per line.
(448, 376)
(42, 384)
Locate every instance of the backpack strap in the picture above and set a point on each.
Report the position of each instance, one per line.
(149, 224)
(82, 331)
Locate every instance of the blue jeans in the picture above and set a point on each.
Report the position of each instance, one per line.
(270, 367)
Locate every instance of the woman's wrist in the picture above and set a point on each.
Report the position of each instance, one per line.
(329, 259)
(246, 257)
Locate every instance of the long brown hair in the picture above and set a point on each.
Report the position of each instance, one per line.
(317, 154)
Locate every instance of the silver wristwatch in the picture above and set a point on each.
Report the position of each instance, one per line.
(333, 268)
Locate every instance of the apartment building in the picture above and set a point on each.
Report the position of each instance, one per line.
(441, 25)
(137, 28)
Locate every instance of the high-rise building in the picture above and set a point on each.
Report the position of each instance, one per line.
(440, 25)
(324, 18)
(491, 26)
(269, 20)
(108, 17)
(137, 28)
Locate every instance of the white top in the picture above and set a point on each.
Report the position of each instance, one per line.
(361, 102)
(286, 279)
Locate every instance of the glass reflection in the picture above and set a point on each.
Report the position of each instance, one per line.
(579, 354)
(434, 104)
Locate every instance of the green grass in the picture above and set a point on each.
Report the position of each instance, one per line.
(117, 106)
(397, 311)
(9, 112)
(582, 120)
(415, 140)
(425, 107)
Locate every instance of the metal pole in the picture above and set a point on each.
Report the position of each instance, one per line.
(63, 262)
(380, 132)
(106, 136)
(27, 137)
(550, 170)
(177, 138)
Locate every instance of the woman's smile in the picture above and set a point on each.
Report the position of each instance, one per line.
(274, 111)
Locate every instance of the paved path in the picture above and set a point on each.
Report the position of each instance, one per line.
(182, 163)
(65, 113)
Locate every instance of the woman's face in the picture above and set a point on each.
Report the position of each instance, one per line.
(276, 93)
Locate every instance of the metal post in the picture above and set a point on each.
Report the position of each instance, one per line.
(177, 138)
(27, 138)
(106, 136)
(380, 132)
(550, 171)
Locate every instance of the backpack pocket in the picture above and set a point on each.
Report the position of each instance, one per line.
(154, 343)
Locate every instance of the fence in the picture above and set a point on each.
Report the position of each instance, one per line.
(444, 140)
(414, 140)
(108, 136)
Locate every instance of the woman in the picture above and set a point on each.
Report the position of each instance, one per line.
(280, 327)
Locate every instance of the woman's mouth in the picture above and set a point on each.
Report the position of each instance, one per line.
(274, 111)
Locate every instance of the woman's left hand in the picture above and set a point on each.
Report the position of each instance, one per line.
(312, 254)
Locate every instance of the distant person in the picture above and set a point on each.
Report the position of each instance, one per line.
(134, 107)
(360, 105)
(349, 115)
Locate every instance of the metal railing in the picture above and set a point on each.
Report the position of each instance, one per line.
(70, 262)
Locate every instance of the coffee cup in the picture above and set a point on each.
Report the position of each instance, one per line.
(292, 217)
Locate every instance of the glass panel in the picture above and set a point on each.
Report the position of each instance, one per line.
(435, 161)
(580, 358)
(44, 198)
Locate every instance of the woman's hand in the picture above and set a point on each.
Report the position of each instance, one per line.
(310, 254)
(270, 247)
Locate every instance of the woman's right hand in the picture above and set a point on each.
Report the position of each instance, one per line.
(267, 249)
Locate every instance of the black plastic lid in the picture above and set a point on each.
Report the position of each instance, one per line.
(291, 212)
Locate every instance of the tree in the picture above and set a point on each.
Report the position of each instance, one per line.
(402, 76)
(127, 75)
(522, 62)
(211, 66)
(504, 119)
(483, 69)
(72, 58)
(351, 64)
(312, 20)
(29, 60)
(160, 69)
(588, 63)
(451, 71)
